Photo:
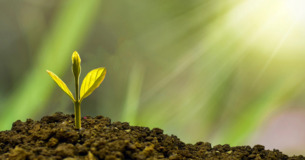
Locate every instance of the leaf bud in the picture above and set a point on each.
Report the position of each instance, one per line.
(76, 64)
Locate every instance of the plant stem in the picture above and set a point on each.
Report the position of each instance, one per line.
(77, 115)
(77, 112)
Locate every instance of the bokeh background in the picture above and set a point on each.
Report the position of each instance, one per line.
(223, 72)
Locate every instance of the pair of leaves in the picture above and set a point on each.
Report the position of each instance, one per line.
(92, 80)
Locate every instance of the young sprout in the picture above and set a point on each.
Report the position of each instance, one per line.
(92, 80)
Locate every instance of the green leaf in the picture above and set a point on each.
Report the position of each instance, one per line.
(92, 80)
(61, 84)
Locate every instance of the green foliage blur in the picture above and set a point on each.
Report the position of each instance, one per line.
(202, 70)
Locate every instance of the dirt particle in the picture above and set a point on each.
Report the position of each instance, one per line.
(65, 150)
(19, 153)
(52, 142)
(258, 147)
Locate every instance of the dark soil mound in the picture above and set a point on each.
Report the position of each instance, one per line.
(55, 138)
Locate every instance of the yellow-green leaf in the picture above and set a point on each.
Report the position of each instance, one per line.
(61, 84)
(92, 80)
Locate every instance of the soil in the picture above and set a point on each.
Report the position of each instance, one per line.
(53, 137)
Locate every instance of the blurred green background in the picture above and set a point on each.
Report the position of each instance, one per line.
(230, 72)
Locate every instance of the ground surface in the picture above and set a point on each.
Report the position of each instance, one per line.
(53, 137)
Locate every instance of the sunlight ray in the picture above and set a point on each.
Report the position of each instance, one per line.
(232, 60)
(186, 60)
(274, 53)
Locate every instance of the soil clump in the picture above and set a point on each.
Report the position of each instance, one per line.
(54, 137)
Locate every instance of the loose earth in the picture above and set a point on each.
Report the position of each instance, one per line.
(53, 137)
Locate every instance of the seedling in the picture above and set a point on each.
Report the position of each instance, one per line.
(92, 80)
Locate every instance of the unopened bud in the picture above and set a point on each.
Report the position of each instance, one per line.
(76, 64)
